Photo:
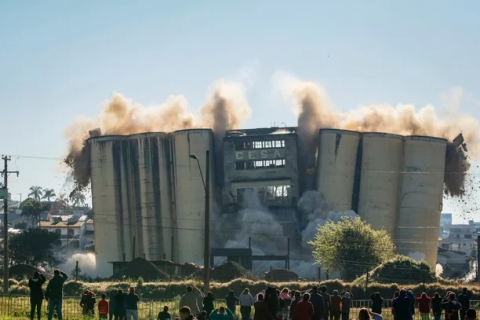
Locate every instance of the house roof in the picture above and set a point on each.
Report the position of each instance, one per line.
(61, 224)
(90, 221)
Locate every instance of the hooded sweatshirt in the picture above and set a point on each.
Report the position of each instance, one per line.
(335, 302)
(193, 300)
(424, 303)
(35, 285)
(55, 286)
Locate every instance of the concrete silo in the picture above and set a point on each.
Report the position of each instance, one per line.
(337, 157)
(421, 197)
(189, 194)
(105, 173)
(380, 180)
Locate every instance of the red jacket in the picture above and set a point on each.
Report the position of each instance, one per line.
(424, 303)
(303, 311)
(103, 307)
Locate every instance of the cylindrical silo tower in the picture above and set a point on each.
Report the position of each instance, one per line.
(421, 197)
(104, 160)
(380, 180)
(337, 157)
(190, 191)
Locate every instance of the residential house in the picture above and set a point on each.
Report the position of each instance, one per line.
(69, 231)
(462, 237)
(455, 263)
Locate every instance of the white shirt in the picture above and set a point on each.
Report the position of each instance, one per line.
(246, 300)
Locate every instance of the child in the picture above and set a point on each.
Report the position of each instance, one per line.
(103, 308)
(164, 315)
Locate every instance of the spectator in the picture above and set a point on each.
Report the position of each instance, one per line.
(437, 306)
(346, 305)
(222, 313)
(36, 294)
(119, 305)
(203, 315)
(286, 300)
(451, 307)
(395, 295)
(164, 315)
(464, 299)
(318, 304)
(304, 309)
(192, 300)
(377, 302)
(326, 302)
(186, 313)
(54, 293)
(296, 299)
(336, 306)
(111, 309)
(208, 303)
(471, 314)
(402, 305)
(88, 303)
(424, 306)
(246, 301)
(132, 300)
(412, 305)
(103, 308)
(365, 314)
(262, 312)
(271, 298)
(231, 301)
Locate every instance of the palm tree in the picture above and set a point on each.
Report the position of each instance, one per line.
(49, 193)
(36, 192)
(78, 199)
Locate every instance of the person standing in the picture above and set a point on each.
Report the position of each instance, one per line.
(437, 306)
(164, 315)
(464, 299)
(111, 309)
(296, 299)
(103, 307)
(208, 303)
(402, 305)
(304, 309)
(119, 305)
(318, 304)
(132, 300)
(231, 301)
(424, 306)
(246, 301)
(377, 302)
(451, 306)
(346, 305)
(54, 293)
(262, 312)
(326, 302)
(192, 300)
(36, 294)
(336, 306)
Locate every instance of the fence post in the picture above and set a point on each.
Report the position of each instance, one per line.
(366, 282)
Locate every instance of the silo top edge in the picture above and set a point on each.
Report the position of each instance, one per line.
(126, 137)
(426, 138)
(383, 134)
(193, 130)
(342, 131)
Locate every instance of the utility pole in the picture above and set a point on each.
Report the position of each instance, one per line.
(5, 173)
(206, 263)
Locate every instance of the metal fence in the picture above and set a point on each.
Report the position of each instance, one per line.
(148, 309)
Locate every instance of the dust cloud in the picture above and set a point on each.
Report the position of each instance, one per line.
(225, 108)
(315, 112)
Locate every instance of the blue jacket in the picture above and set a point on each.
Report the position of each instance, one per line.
(317, 300)
(403, 307)
(55, 287)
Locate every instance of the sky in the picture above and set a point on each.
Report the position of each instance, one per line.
(60, 60)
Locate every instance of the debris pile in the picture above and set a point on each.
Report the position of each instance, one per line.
(140, 267)
(281, 275)
(226, 272)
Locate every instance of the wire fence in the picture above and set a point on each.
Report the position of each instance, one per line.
(14, 306)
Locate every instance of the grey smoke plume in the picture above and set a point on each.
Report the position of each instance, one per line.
(315, 112)
(225, 108)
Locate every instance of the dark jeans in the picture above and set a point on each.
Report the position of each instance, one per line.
(318, 315)
(245, 311)
(345, 315)
(111, 315)
(55, 304)
(463, 313)
(232, 308)
(437, 315)
(120, 315)
(335, 315)
(36, 304)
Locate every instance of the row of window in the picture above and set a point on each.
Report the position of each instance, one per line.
(259, 164)
(268, 144)
(268, 193)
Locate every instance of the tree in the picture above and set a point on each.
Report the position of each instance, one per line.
(78, 199)
(48, 194)
(34, 247)
(36, 192)
(33, 209)
(351, 246)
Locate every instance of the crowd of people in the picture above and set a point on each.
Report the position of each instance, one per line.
(269, 304)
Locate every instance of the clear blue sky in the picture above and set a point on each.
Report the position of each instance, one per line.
(61, 59)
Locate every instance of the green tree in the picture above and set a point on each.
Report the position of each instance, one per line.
(36, 192)
(35, 247)
(78, 199)
(351, 247)
(48, 194)
(33, 209)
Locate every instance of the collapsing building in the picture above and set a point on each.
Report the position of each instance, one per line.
(148, 189)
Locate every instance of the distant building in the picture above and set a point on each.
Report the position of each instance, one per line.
(455, 263)
(462, 237)
(69, 232)
(446, 220)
